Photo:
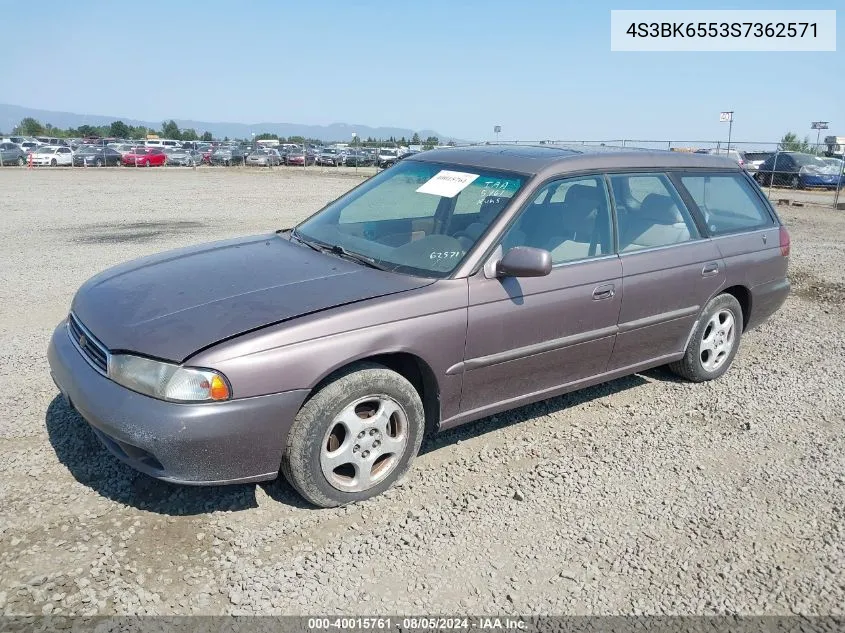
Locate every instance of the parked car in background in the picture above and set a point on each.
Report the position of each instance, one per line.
(145, 157)
(30, 146)
(330, 157)
(124, 148)
(162, 143)
(753, 160)
(300, 158)
(263, 158)
(97, 156)
(797, 170)
(17, 140)
(183, 157)
(358, 158)
(53, 155)
(733, 154)
(456, 285)
(228, 155)
(387, 156)
(12, 154)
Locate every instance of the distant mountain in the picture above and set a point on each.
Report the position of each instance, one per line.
(11, 115)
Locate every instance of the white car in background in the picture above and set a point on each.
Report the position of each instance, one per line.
(52, 155)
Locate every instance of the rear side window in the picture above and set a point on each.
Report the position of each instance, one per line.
(727, 202)
(650, 213)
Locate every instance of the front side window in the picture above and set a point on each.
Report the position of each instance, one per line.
(727, 202)
(650, 213)
(569, 218)
(404, 219)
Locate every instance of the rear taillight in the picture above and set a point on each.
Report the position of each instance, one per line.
(784, 242)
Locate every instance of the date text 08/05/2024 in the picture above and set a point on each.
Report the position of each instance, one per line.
(413, 623)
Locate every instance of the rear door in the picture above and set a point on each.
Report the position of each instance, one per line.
(745, 230)
(528, 336)
(670, 268)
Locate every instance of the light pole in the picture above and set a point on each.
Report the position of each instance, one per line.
(819, 126)
(496, 130)
(355, 150)
(729, 117)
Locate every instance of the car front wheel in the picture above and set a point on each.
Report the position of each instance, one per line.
(355, 437)
(714, 342)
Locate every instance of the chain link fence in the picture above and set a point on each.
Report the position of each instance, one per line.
(815, 175)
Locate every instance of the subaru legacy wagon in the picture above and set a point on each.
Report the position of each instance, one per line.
(454, 285)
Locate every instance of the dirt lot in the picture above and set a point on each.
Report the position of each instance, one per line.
(645, 495)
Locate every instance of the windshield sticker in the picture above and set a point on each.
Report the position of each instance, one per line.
(447, 183)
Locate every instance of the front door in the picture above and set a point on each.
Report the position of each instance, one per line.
(528, 336)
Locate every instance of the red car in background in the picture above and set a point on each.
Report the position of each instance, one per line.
(144, 157)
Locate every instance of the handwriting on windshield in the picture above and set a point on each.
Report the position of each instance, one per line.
(446, 254)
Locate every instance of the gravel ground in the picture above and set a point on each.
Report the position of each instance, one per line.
(645, 495)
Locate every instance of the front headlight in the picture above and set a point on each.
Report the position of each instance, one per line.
(166, 381)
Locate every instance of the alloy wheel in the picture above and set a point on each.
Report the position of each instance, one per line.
(717, 341)
(364, 444)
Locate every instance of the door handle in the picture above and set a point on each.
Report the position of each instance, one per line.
(710, 269)
(604, 292)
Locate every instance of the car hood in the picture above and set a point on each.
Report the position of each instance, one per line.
(176, 303)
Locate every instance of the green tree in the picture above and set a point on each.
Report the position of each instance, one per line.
(86, 130)
(266, 136)
(416, 139)
(430, 142)
(169, 129)
(189, 134)
(119, 129)
(206, 136)
(791, 143)
(30, 127)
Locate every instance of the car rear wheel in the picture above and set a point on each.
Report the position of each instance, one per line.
(714, 342)
(795, 182)
(21, 161)
(355, 437)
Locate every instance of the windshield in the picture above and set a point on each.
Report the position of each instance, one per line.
(87, 150)
(46, 150)
(416, 218)
(329, 151)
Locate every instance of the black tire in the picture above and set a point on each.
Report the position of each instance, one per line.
(795, 182)
(54, 163)
(21, 161)
(691, 366)
(301, 463)
(98, 163)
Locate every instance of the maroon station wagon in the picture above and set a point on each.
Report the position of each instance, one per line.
(454, 285)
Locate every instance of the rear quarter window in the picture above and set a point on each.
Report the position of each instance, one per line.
(727, 202)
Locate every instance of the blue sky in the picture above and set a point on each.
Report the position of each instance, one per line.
(539, 68)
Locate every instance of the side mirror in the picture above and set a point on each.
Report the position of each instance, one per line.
(525, 261)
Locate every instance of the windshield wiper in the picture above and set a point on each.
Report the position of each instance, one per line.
(337, 249)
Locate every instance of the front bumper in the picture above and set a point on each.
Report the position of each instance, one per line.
(830, 182)
(198, 444)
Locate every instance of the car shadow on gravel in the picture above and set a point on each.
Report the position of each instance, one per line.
(535, 410)
(92, 465)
